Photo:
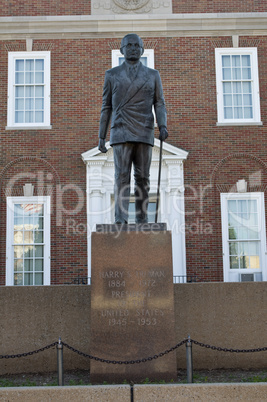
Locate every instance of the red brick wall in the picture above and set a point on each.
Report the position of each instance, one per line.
(83, 7)
(187, 67)
(44, 7)
(218, 6)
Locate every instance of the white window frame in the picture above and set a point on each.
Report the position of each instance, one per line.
(148, 53)
(233, 275)
(12, 57)
(11, 201)
(256, 120)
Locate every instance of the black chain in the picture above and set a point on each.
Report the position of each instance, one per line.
(125, 361)
(204, 345)
(28, 353)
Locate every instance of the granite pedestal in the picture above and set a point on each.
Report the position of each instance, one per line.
(132, 305)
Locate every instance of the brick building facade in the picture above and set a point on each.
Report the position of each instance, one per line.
(212, 57)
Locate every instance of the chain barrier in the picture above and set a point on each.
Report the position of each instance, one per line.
(125, 361)
(204, 345)
(156, 356)
(29, 353)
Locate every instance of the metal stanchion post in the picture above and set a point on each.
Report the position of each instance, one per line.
(189, 361)
(60, 373)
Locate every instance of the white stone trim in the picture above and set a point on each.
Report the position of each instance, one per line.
(174, 25)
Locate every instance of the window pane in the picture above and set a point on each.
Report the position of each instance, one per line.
(39, 64)
(248, 113)
(29, 91)
(28, 279)
(18, 265)
(226, 61)
(237, 100)
(29, 117)
(28, 251)
(236, 61)
(247, 87)
(39, 265)
(246, 73)
(144, 60)
(243, 248)
(237, 88)
(39, 103)
(19, 78)
(236, 73)
(29, 65)
(39, 117)
(29, 104)
(247, 99)
(234, 263)
(19, 92)
(18, 279)
(232, 233)
(39, 251)
(18, 251)
(255, 262)
(246, 60)
(28, 265)
(38, 237)
(39, 91)
(29, 77)
(19, 104)
(233, 247)
(227, 74)
(232, 206)
(244, 262)
(228, 113)
(227, 100)
(39, 223)
(39, 78)
(227, 88)
(19, 65)
(39, 279)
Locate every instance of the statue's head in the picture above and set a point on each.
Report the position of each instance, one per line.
(132, 47)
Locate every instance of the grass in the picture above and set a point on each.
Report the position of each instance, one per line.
(82, 378)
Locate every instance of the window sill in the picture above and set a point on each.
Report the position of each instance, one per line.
(28, 127)
(253, 123)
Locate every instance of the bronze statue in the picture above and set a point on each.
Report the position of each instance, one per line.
(130, 91)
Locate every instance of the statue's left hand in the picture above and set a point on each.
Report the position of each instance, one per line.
(163, 133)
(101, 146)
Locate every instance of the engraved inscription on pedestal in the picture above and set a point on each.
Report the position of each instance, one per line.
(132, 305)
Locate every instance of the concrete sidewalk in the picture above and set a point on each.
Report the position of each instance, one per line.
(256, 392)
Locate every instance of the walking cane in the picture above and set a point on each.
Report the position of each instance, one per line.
(160, 160)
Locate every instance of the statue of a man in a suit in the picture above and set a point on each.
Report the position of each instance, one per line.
(130, 92)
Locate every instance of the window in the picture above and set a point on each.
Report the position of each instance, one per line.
(244, 237)
(28, 241)
(238, 101)
(28, 90)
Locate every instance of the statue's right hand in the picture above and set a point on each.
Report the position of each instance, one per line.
(101, 146)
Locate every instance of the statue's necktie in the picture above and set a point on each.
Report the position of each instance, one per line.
(132, 72)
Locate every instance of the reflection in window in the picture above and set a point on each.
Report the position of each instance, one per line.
(28, 244)
(243, 234)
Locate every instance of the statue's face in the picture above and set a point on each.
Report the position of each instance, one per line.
(132, 49)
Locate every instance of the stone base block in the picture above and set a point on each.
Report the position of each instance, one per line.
(132, 305)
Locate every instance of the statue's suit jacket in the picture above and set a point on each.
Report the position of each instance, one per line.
(128, 104)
